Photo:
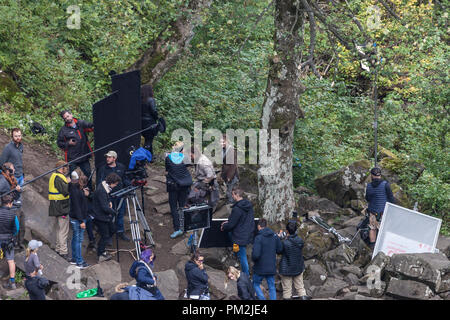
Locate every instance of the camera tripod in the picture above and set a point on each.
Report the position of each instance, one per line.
(129, 195)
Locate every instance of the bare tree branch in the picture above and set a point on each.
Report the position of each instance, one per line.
(312, 38)
(391, 11)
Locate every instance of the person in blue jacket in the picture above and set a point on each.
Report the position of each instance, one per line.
(197, 279)
(264, 255)
(142, 272)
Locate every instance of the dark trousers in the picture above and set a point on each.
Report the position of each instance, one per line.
(85, 167)
(106, 230)
(177, 199)
(90, 228)
(34, 291)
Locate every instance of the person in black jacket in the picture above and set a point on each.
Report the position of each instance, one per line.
(292, 265)
(241, 225)
(78, 194)
(104, 214)
(113, 166)
(73, 141)
(264, 255)
(8, 227)
(244, 285)
(149, 116)
(197, 279)
(178, 181)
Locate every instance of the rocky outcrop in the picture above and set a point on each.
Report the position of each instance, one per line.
(408, 289)
(345, 184)
(432, 269)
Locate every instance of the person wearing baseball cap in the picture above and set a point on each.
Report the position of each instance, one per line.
(34, 283)
(378, 192)
(113, 166)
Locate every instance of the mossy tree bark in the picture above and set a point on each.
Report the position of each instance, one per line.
(164, 52)
(281, 110)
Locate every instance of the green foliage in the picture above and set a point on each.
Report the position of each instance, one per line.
(221, 79)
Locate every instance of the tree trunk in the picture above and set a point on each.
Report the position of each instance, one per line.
(166, 51)
(281, 110)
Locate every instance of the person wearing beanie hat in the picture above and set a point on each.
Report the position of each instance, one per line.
(378, 192)
(178, 182)
(141, 270)
(34, 282)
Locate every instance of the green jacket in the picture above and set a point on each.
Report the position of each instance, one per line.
(59, 208)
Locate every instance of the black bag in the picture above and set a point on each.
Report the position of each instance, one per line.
(37, 128)
(363, 226)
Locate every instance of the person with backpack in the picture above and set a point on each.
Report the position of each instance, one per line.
(244, 284)
(178, 182)
(378, 192)
(292, 264)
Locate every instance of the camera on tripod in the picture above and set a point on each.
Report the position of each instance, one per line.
(138, 175)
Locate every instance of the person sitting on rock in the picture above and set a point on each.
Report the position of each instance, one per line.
(378, 192)
(197, 279)
(244, 285)
(142, 272)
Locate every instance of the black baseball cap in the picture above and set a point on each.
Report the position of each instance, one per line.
(376, 171)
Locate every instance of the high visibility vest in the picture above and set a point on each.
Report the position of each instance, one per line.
(53, 193)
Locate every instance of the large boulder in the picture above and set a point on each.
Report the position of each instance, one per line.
(168, 284)
(329, 289)
(345, 184)
(443, 245)
(432, 269)
(37, 221)
(315, 273)
(408, 289)
(316, 244)
(342, 254)
(108, 273)
(65, 278)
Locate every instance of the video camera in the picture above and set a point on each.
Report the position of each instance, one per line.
(139, 174)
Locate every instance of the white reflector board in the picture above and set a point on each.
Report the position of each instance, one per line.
(406, 231)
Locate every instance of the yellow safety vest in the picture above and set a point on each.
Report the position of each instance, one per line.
(53, 193)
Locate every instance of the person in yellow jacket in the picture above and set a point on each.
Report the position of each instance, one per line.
(58, 194)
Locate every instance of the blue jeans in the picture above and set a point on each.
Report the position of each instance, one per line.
(242, 255)
(20, 181)
(77, 240)
(257, 279)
